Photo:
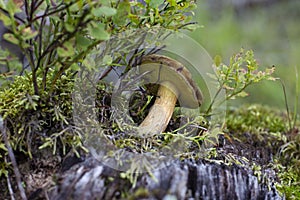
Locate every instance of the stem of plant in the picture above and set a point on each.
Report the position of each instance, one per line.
(286, 104)
(296, 98)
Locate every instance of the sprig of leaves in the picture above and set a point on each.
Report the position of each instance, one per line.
(242, 71)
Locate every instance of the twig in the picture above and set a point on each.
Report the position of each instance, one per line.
(55, 10)
(11, 192)
(12, 159)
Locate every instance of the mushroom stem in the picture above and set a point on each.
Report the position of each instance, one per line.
(161, 112)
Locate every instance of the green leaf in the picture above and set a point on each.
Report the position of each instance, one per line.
(242, 94)
(11, 38)
(155, 3)
(12, 8)
(106, 11)
(82, 42)
(172, 2)
(75, 7)
(123, 11)
(28, 33)
(192, 27)
(218, 60)
(3, 147)
(54, 18)
(106, 2)
(107, 60)
(5, 19)
(74, 67)
(69, 27)
(98, 32)
(4, 172)
(66, 50)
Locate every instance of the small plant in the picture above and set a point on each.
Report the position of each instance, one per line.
(290, 152)
(292, 116)
(242, 71)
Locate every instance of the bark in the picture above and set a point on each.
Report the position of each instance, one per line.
(178, 180)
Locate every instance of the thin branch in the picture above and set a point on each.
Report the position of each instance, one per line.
(157, 49)
(56, 43)
(183, 25)
(55, 10)
(40, 44)
(11, 191)
(38, 4)
(26, 7)
(12, 159)
(67, 65)
(238, 91)
(41, 34)
(213, 100)
(16, 17)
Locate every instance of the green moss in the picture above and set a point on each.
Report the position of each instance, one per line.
(34, 121)
(289, 179)
(266, 127)
(139, 194)
(259, 123)
(256, 119)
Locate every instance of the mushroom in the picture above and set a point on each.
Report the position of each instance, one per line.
(175, 83)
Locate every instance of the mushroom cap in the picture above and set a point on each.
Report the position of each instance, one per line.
(160, 69)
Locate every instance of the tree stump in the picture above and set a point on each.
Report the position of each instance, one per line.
(186, 179)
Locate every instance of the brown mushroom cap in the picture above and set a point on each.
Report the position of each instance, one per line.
(162, 69)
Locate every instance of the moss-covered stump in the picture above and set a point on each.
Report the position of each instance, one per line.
(186, 179)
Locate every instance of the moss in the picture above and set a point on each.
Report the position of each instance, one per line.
(289, 180)
(139, 194)
(257, 124)
(256, 119)
(266, 129)
(39, 121)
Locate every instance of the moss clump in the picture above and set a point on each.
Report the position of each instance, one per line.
(289, 179)
(256, 119)
(34, 122)
(257, 123)
(266, 129)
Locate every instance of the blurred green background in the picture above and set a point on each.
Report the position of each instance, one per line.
(271, 28)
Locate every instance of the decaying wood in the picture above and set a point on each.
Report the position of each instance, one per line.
(178, 180)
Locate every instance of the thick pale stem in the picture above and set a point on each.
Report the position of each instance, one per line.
(161, 112)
